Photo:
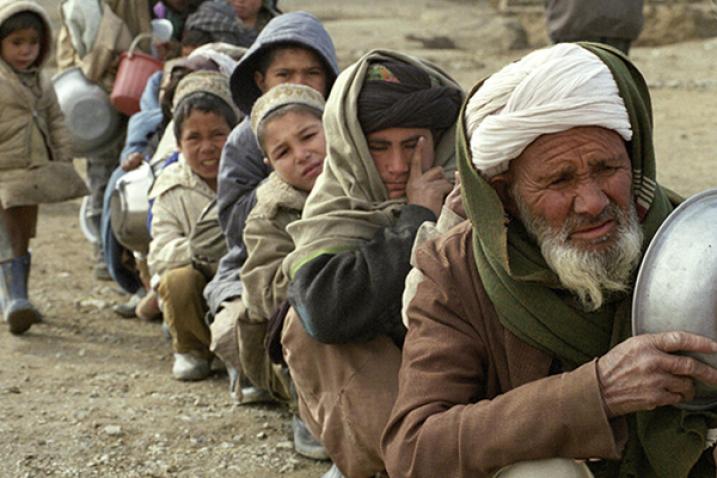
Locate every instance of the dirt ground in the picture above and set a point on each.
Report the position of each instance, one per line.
(89, 394)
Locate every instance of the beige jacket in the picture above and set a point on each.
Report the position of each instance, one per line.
(179, 196)
(277, 205)
(239, 330)
(35, 159)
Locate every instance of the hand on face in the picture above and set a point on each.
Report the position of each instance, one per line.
(429, 188)
(642, 373)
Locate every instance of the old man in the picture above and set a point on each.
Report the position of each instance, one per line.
(518, 357)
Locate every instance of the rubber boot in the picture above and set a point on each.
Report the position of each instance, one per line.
(18, 312)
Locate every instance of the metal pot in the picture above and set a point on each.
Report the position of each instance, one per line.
(129, 208)
(676, 285)
(90, 118)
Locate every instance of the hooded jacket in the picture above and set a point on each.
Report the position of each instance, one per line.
(35, 162)
(242, 167)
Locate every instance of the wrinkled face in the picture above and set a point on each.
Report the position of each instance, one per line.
(392, 150)
(201, 142)
(295, 146)
(246, 9)
(572, 191)
(571, 179)
(21, 48)
(293, 65)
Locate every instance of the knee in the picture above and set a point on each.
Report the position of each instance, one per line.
(181, 276)
(182, 281)
(548, 468)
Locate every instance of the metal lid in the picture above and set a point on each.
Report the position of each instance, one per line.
(676, 286)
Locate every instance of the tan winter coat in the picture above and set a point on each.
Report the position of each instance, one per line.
(35, 162)
(277, 205)
(239, 330)
(179, 197)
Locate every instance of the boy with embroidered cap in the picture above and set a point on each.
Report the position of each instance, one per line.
(35, 162)
(203, 117)
(292, 48)
(287, 124)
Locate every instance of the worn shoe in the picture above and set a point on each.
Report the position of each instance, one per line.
(243, 392)
(333, 472)
(18, 312)
(101, 272)
(188, 367)
(126, 310)
(305, 444)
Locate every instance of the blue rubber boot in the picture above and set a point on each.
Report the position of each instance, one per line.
(18, 312)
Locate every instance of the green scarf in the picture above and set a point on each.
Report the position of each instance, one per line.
(349, 202)
(666, 442)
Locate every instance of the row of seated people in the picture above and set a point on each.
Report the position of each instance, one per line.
(201, 211)
(326, 195)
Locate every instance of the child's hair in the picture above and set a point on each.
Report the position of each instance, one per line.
(264, 61)
(28, 19)
(280, 112)
(206, 103)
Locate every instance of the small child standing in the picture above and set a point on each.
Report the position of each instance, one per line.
(35, 162)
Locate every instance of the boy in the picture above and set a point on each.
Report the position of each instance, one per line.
(203, 118)
(293, 48)
(35, 164)
(287, 124)
(390, 131)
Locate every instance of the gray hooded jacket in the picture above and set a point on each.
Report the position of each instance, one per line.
(242, 167)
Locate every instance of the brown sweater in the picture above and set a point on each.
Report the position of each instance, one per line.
(473, 397)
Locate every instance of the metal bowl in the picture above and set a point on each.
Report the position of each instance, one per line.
(676, 285)
(90, 118)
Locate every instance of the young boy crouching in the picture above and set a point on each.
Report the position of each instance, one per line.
(203, 118)
(287, 123)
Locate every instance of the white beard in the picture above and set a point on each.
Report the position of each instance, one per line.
(590, 275)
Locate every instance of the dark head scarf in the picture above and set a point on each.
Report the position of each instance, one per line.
(400, 95)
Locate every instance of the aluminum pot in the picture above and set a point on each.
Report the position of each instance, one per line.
(676, 286)
(89, 116)
(129, 208)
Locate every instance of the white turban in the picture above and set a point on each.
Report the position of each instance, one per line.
(548, 91)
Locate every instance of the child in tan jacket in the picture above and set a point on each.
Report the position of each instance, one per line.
(35, 163)
(287, 124)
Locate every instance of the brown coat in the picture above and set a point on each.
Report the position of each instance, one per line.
(473, 397)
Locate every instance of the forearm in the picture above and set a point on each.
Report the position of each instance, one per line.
(356, 295)
(557, 416)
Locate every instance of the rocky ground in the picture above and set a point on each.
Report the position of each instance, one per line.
(89, 394)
